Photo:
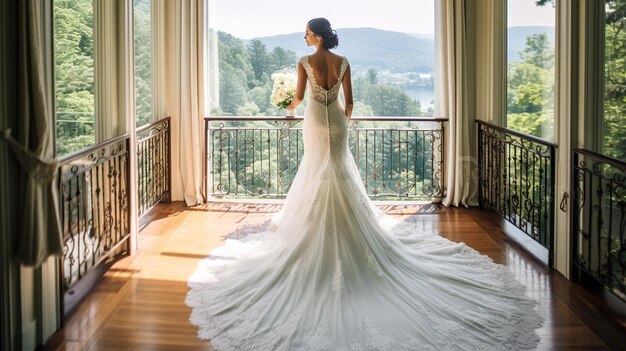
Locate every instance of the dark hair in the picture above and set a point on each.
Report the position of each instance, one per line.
(321, 27)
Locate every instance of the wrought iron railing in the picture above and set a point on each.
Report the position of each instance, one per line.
(399, 157)
(153, 164)
(95, 201)
(95, 212)
(516, 180)
(599, 219)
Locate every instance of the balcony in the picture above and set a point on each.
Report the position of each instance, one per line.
(399, 158)
(250, 162)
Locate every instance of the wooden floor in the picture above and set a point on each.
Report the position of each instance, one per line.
(139, 304)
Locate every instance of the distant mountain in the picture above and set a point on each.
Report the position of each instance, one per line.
(394, 51)
(517, 39)
(429, 36)
(370, 48)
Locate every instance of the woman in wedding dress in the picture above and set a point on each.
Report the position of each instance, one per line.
(333, 272)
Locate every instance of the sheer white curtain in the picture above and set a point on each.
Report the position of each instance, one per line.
(158, 30)
(491, 61)
(182, 90)
(455, 99)
(108, 124)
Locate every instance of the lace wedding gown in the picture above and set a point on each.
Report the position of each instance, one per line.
(335, 273)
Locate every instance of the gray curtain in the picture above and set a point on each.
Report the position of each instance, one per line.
(33, 145)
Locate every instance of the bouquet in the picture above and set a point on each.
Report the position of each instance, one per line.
(284, 89)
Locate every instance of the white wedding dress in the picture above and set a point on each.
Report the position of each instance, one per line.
(333, 272)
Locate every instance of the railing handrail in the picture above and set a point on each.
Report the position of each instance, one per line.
(518, 134)
(84, 152)
(610, 160)
(300, 118)
(148, 126)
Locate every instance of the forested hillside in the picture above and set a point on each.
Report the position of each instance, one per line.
(246, 68)
(370, 48)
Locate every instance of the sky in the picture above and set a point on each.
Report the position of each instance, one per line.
(527, 14)
(248, 19)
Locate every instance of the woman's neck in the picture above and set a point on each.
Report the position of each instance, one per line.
(321, 49)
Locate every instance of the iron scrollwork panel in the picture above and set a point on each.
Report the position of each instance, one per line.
(94, 208)
(261, 160)
(516, 180)
(599, 219)
(153, 168)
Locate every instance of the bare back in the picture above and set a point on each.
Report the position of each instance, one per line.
(326, 68)
(327, 73)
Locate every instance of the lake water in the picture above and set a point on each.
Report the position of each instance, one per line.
(425, 95)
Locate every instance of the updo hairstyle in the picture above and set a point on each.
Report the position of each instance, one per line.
(321, 27)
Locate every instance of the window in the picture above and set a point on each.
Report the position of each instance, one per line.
(143, 62)
(74, 75)
(531, 71)
(615, 80)
(390, 46)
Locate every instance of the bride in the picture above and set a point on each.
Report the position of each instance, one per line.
(335, 273)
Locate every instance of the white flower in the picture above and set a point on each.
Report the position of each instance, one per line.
(284, 89)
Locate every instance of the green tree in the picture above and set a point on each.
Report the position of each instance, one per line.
(545, 2)
(233, 52)
(615, 80)
(245, 73)
(538, 51)
(248, 109)
(143, 63)
(235, 73)
(530, 89)
(361, 109)
(531, 123)
(259, 60)
(385, 99)
(74, 74)
(372, 76)
(260, 96)
(233, 88)
(281, 59)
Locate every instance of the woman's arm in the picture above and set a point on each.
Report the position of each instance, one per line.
(300, 87)
(347, 92)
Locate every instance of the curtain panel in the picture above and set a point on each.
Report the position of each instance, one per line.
(491, 61)
(33, 145)
(109, 121)
(183, 91)
(455, 99)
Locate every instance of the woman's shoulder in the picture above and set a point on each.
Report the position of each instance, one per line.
(340, 59)
(337, 57)
(345, 59)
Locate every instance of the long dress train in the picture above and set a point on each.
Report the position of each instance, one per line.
(335, 273)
